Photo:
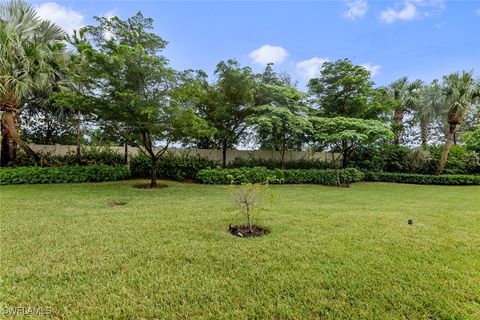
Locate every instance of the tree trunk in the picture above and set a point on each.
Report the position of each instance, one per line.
(79, 133)
(344, 160)
(126, 152)
(344, 154)
(443, 158)
(424, 133)
(153, 181)
(337, 172)
(9, 146)
(11, 138)
(398, 120)
(224, 154)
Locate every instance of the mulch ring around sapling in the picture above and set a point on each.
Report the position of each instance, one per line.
(148, 186)
(244, 231)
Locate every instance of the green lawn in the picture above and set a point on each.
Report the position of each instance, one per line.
(332, 254)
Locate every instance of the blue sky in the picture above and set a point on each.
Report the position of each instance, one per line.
(422, 39)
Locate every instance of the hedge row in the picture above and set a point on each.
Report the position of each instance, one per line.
(261, 175)
(274, 164)
(66, 174)
(446, 179)
(182, 167)
(89, 156)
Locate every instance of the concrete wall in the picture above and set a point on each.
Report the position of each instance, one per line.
(211, 154)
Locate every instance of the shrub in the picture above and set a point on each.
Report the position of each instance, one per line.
(89, 156)
(262, 175)
(274, 164)
(247, 198)
(417, 159)
(460, 160)
(170, 166)
(446, 179)
(392, 158)
(383, 157)
(66, 174)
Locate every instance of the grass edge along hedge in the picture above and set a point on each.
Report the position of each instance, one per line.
(64, 174)
(291, 176)
(445, 179)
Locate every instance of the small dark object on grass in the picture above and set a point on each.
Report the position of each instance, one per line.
(410, 221)
(244, 231)
(148, 186)
(117, 204)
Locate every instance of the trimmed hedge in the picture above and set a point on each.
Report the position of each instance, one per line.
(183, 167)
(261, 175)
(446, 179)
(66, 174)
(89, 156)
(277, 164)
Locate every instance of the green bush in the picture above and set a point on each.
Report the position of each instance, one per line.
(262, 174)
(446, 179)
(381, 157)
(89, 156)
(170, 166)
(274, 164)
(66, 174)
(392, 158)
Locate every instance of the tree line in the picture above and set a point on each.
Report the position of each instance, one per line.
(114, 75)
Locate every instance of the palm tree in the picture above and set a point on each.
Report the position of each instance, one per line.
(461, 92)
(406, 94)
(29, 48)
(428, 108)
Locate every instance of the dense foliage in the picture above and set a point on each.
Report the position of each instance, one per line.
(115, 86)
(170, 166)
(289, 164)
(65, 174)
(446, 179)
(264, 175)
(88, 156)
(393, 158)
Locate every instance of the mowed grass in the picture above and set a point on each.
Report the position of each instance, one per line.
(332, 254)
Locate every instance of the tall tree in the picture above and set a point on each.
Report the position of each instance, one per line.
(428, 108)
(343, 134)
(407, 95)
(280, 120)
(135, 91)
(29, 50)
(461, 92)
(226, 104)
(344, 89)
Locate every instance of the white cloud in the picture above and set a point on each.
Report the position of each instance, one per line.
(412, 9)
(65, 17)
(356, 9)
(373, 69)
(310, 68)
(267, 53)
(408, 12)
(110, 14)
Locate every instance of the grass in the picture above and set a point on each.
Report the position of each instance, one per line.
(166, 254)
